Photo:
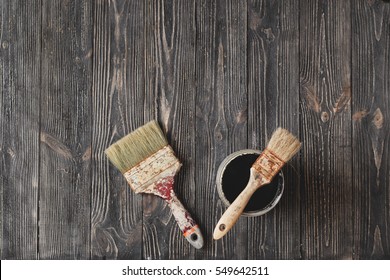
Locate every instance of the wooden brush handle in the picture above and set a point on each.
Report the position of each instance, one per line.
(231, 215)
(185, 222)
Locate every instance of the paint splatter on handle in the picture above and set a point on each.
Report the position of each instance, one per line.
(190, 229)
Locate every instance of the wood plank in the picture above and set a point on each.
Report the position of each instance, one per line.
(65, 183)
(170, 77)
(371, 141)
(119, 105)
(221, 114)
(273, 98)
(20, 44)
(325, 51)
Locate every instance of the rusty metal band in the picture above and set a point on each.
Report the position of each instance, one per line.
(190, 231)
(268, 164)
(142, 174)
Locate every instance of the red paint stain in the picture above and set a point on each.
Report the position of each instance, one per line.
(187, 228)
(189, 219)
(164, 187)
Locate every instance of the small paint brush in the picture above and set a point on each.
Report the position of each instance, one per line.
(280, 149)
(149, 165)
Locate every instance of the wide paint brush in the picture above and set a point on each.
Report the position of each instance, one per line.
(149, 165)
(280, 149)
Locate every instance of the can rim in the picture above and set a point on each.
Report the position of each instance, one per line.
(221, 170)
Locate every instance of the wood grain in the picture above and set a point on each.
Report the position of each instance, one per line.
(171, 76)
(221, 113)
(65, 183)
(207, 111)
(371, 141)
(20, 44)
(219, 76)
(273, 100)
(118, 107)
(325, 52)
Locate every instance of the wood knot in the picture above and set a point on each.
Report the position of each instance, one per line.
(5, 45)
(254, 20)
(343, 100)
(359, 115)
(241, 117)
(378, 119)
(218, 136)
(87, 154)
(377, 250)
(269, 34)
(56, 145)
(324, 117)
(311, 98)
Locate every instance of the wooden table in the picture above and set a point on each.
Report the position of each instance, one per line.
(219, 76)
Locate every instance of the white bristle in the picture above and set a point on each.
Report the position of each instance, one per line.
(284, 144)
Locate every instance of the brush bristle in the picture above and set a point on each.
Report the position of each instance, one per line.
(284, 144)
(136, 146)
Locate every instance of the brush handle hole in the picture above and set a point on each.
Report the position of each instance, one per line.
(194, 237)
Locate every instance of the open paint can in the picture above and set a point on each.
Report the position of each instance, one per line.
(233, 176)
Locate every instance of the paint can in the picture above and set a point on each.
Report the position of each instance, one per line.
(233, 176)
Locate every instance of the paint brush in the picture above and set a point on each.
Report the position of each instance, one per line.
(280, 149)
(149, 165)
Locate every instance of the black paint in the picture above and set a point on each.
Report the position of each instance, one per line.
(236, 177)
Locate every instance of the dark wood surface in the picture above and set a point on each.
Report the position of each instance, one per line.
(219, 76)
